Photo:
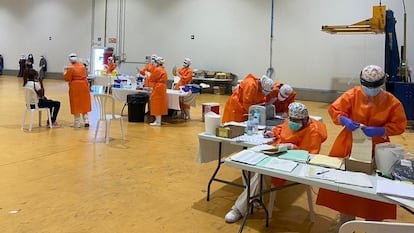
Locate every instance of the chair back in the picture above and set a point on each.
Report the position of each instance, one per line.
(375, 227)
(31, 98)
(105, 104)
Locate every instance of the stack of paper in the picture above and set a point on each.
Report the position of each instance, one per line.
(248, 157)
(326, 161)
(278, 164)
(395, 188)
(301, 156)
(255, 139)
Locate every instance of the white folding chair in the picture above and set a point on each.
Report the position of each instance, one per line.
(272, 198)
(374, 227)
(32, 106)
(103, 101)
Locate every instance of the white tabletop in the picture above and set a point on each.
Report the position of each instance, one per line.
(297, 175)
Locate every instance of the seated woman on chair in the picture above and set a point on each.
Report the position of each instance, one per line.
(31, 80)
(297, 132)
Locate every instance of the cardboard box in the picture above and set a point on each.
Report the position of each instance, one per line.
(219, 90)
(230, 131)
(359, 166)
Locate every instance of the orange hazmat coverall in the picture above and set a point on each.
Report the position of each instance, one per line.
(149, 68)
(382, 110)
(280, 106)
(248, 93)
(79, 93)
(158, 98)
(186, 77)
(309, 138)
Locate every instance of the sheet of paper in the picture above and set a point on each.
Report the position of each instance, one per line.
(248, 157)
(295, 155)
(255, 139)
(261, 147)
(361, 146)
(353, 178)
(321, 173)
(326, 161)
(395, 188)
(279, 164)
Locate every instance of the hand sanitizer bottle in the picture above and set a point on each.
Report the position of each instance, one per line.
(249, 125)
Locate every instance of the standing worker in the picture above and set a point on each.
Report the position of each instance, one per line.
(42, 67)
(148, 69)
(79, 96)
(158, 98)
(379, 115)
(251, 91)
(186, 77)
(110, 66)
(281, 96)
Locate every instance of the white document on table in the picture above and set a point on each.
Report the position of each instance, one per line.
(255, 139)
(353, 178)
(280, 164)
(395, 188)
(248, 157)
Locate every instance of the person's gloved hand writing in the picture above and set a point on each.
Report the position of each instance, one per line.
(348, 123)
(372, 131)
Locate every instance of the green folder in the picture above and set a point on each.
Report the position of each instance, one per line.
(301, 156)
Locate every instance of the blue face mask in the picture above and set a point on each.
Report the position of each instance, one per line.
(294, 126)
(371, 91)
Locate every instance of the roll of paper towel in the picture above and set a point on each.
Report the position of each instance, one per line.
(212, 121)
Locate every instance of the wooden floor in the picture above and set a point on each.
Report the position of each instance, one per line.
(58, 180)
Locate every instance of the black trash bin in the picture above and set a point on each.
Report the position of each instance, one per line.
(136, 106)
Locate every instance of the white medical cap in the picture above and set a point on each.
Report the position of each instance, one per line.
(73, 57)
(267, 83)
(187, 61)
(154, 57)
(298, 110)
(372, 76)
(160, 60)
(284, 92)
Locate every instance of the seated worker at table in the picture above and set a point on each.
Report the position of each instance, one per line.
(110, 66)
(379, 115)
(148, 69)
(158, 98)
(31, 80)
(297, 132)
(185, 75)
(251, 91)
(281, 96)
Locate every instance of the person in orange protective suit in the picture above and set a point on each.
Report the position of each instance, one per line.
(379, 115)
(158, 98)
(148, 69)
(110, 66)
(79, 94)
(186, 76)
(251, 91)
(297, 132)
(281, 96)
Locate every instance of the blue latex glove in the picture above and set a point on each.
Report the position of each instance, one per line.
(373, 131)
(348, 123)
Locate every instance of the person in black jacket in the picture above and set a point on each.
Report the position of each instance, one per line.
(22, 65)
(1, 64)
(42, 67)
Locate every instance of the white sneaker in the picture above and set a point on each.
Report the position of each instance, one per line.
(155, 123)
(233, 216)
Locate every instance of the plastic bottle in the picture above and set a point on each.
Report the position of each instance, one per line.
(249, 125)
(256, 119)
